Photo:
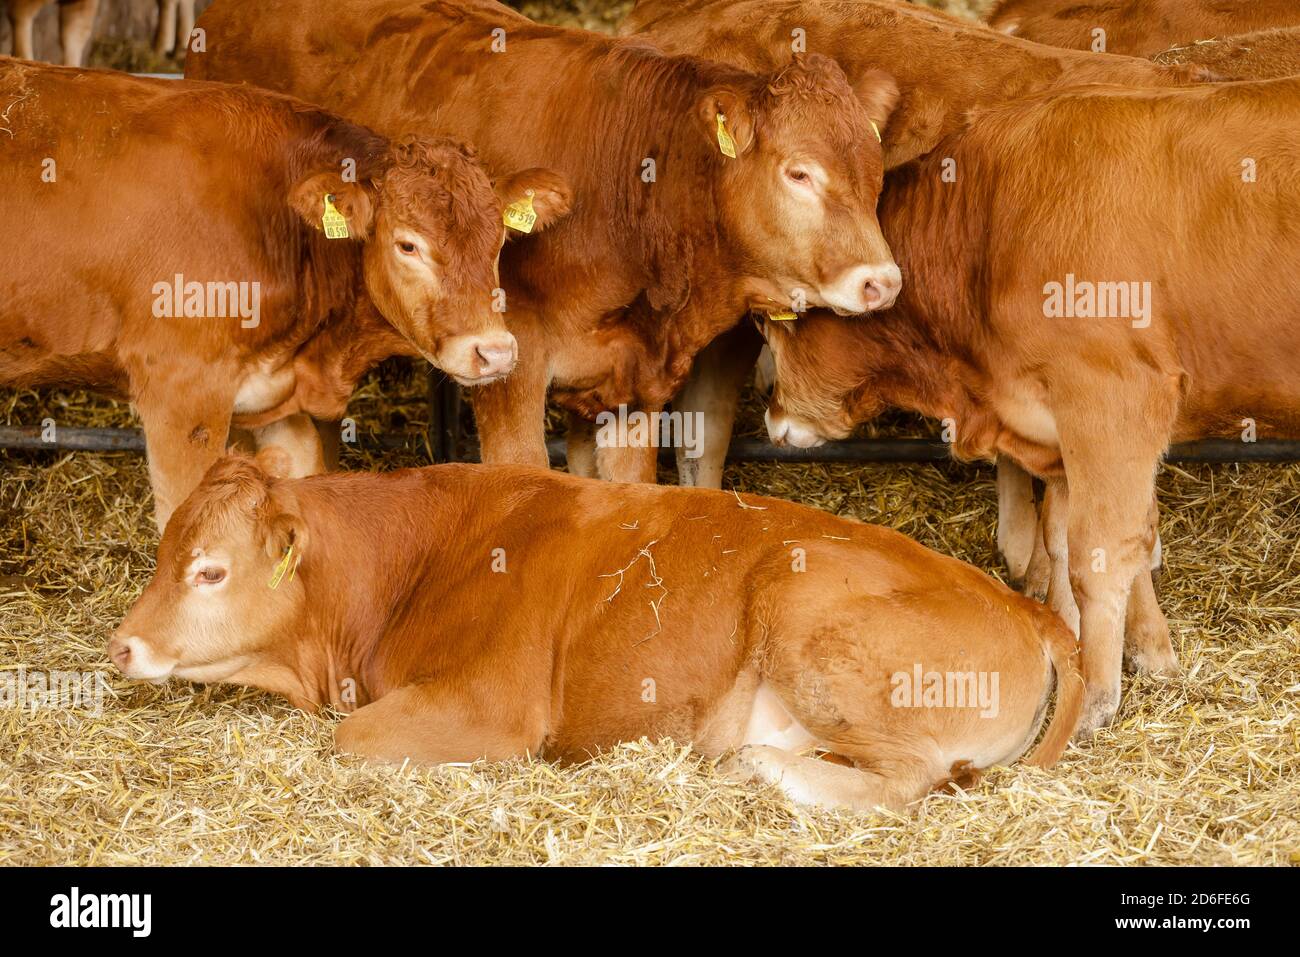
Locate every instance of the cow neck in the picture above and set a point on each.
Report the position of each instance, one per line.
(924, 354)
(354, 587)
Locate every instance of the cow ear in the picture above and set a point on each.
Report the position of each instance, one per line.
(548, 190)
(738, 119)
(878, 93)
(284, 528)
(352, 200)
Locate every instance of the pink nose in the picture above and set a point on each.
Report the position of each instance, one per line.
(880, 290)
(119, 652)
(495, 357)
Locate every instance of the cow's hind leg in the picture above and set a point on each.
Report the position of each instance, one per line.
(891, 785)
(437, 724)
(1017, 518)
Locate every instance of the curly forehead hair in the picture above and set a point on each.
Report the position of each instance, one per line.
(441, 180)
(810, 76)
(234, 491)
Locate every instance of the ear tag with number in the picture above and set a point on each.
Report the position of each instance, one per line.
(336, 226)
(520, 214)
(277, 576)
(725, 142)
(782, 316)
(875, 129)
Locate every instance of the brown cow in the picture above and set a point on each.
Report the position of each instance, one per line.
(1058, 311)
(571, 615)
(1263, 55)
(670, 239)
(1137, 27)
(229, 300)
(944, 66)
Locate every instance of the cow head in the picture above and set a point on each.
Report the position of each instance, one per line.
(431, 222)
(209, 613)
(799, 199)
(824, 379)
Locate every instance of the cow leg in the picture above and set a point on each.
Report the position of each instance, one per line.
(183, 437)
(186, 26)
(1055, 523)
(891, 784)
(580, 447)
(511, 414)
(164, 39)
(1112, 436)
(76, 25)
(629, 463)
(1147, 649)
(331, 442)
(1017, 518)
(436, 724)
(296, 435)
(1039, 574)
(22, 13)
(712, 392)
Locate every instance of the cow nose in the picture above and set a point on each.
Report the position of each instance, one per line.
(495, 357)
(119, 652)
(881, 287)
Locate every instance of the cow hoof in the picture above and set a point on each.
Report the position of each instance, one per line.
(1098, 711)
(1161, 662)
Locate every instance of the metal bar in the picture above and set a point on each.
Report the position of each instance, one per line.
(67, 439)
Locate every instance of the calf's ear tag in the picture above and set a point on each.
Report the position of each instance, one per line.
(875, 129)
(336, 226)
(520, 214)
(277, 576)
(786, 316)
(725, 142)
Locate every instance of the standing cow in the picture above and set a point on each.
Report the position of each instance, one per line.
(302, 250)
(570, 615)
(700, 190)
(1057, 311)
(1137, 27)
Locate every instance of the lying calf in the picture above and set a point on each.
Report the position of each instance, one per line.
(218, 254)
(463, 612)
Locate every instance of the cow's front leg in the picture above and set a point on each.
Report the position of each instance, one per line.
(297, 437)
(580, 446)
(1112, 436)
(1017, 518)
(634, 457)
(511, 414)
(185, 431)
(711, 396)
(428, 724)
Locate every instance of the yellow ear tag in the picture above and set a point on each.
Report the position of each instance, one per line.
(725, 142)
(520, 214)
(875, 129)
(782, 316)
(278, 575)
(336, 227)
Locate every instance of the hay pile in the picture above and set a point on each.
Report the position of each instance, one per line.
(1199, 769)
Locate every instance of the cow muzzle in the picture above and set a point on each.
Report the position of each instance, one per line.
(477, 360)
(864, 288)
(784, 430)
(135, 659)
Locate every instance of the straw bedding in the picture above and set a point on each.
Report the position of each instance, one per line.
(1197, 769)
(1202, 768)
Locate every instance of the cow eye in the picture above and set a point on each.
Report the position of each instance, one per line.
(210, 576)
(798, 175)
(407, 248)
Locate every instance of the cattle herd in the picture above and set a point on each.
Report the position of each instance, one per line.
(1068, 254)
